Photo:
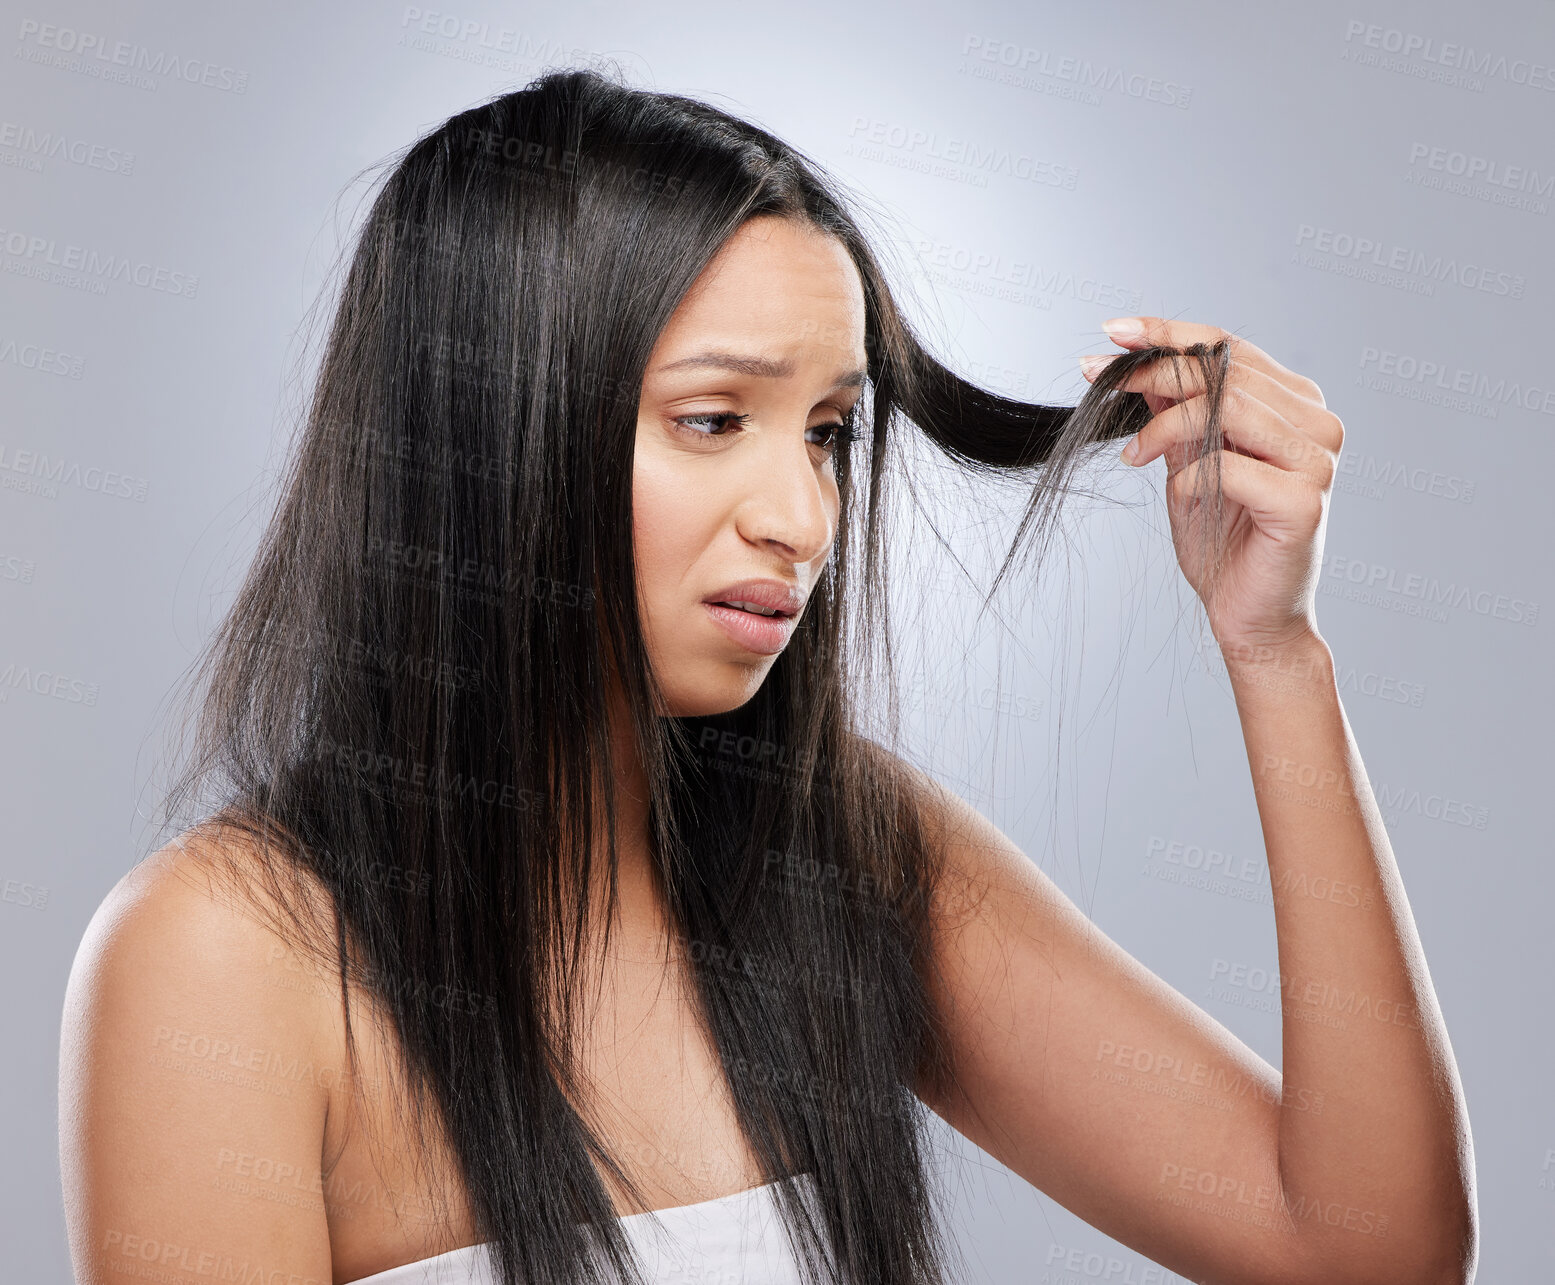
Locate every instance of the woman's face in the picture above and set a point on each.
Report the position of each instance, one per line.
(772, 331)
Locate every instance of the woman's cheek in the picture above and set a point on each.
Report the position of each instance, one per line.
(670, 530)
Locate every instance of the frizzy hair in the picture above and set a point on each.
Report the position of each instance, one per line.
(404, 711)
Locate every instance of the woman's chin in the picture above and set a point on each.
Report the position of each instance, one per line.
(715, 687)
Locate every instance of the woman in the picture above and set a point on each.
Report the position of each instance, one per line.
(542, 885)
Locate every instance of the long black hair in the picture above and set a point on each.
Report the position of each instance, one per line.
(406, 706)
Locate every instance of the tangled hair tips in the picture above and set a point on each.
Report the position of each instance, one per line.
(404, 711)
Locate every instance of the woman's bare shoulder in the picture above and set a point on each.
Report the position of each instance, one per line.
(206, 929)
(192, 1036)
(971, 858)
(211, 899)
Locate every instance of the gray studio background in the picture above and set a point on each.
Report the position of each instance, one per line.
(1045, 167)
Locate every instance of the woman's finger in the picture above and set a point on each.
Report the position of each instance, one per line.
(1170, 379)
(1279, 501)
(1179, 334)
(1249, 426)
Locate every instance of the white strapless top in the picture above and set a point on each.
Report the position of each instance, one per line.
(731, 1240)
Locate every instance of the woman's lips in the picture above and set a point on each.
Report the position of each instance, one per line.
(766, 635)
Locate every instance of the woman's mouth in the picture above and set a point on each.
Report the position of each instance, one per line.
(751, 627)
(749, 606)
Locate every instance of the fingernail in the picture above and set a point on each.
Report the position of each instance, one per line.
(1131, 451)
(1092, 363)
(1124, 327)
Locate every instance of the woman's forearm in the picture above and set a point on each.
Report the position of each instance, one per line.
(1374, 1145)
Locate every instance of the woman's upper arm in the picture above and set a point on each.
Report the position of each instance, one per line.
(1092, 1078)
(192, 1101)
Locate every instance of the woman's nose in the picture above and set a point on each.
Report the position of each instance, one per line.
(789, 500)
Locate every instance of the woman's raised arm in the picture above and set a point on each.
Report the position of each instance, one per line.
(1099, 1083)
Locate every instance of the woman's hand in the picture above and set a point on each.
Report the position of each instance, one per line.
(1277, 469)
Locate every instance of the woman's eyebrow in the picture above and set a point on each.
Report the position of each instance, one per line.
(762, 367)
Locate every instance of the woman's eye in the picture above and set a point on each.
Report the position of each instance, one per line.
(838, 434)
(716, 417)
(841, 433)
(713, 424)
